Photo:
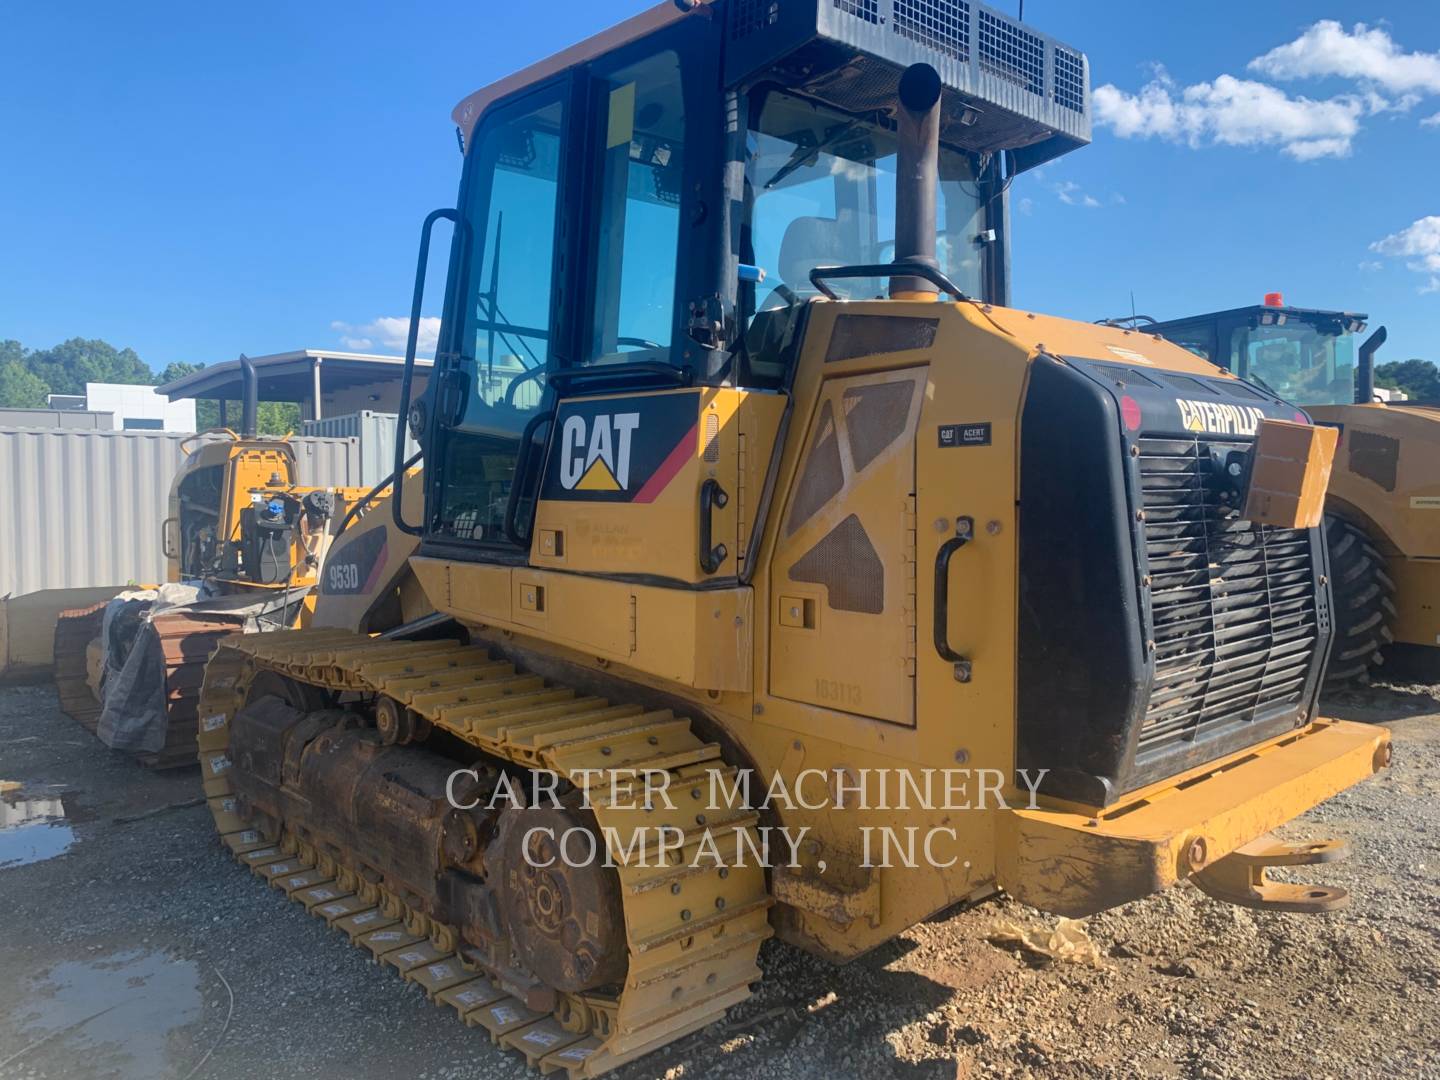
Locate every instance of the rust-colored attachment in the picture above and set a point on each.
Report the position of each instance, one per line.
(1239, 878)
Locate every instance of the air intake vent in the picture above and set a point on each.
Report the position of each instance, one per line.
(869, 10)
(1011, 53)
(1233, 605)
(1069, 80)
(943, 25)
(750, 16)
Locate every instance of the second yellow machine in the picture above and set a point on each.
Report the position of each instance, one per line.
(244, 544)
(966, 593)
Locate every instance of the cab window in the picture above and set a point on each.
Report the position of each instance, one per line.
(641, 119)
(513, 193)
(820, 190)
(1198, 338)
(1298, 361)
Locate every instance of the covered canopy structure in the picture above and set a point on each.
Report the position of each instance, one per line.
(322, 382)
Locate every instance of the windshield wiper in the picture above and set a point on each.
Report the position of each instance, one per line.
(808, 155)
(491, 300)
(1258, 381)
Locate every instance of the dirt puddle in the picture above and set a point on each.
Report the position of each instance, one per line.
(112, 1017)
(33, 825)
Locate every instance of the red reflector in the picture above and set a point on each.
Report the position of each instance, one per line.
(1130, 413)
(1274, 299)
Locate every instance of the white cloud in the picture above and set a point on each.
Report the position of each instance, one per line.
(390, 332)
(1371, 266)
(1431, 121)
(1070, 194)
(1364, 54)
(1026, 205)
(1233, 112)
(1419, 243)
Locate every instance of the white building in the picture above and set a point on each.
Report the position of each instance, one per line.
(135, 408)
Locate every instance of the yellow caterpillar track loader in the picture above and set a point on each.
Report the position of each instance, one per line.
(749, 602)
(250, 542)
(1383, 523)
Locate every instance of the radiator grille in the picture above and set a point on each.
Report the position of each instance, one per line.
(1069, 80)
(1012, 53)
(869, 10)
(749, 16)
(943, 25)
(1233, 604)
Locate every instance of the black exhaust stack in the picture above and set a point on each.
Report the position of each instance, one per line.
(1365, 381)
(250, 414)
(917, 178)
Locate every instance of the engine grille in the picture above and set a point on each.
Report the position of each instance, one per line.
(1233, 604)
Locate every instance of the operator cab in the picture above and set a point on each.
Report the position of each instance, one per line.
(1303, 355)
(644, 211)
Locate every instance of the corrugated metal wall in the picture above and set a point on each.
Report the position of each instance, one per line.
(82, 508)
(376, 432)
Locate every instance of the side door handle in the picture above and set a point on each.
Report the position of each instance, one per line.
(712, 495)
(964, 530)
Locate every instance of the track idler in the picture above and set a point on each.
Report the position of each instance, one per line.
(560, 903)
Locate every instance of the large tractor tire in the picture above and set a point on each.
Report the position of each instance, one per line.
(1364, 603)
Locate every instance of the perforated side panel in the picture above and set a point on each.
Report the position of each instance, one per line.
(869, 10)
(875, 417)
(823, 475)
(1069, 80)
(712, 437)
(845, 562)
(868, 335)
(943, 25)
(1012, 53)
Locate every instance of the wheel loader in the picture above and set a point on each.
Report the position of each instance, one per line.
(1383, 510)
(749, 601)
(244, 545)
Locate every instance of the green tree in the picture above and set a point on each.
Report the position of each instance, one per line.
(178, 369)
(271, 418)
(20, 388)
(1420, 379)
(70, 365)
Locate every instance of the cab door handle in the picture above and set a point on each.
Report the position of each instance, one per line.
(964, 530)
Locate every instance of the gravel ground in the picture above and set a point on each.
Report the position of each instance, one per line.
(142, 949)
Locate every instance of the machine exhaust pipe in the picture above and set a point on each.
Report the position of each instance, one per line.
(917, 178)
(250, 411)
(1365, 381)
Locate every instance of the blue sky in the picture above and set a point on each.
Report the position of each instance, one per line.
(195, 182)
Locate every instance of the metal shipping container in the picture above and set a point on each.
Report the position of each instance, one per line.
(83, 508)
(61, 418)
(376, 432)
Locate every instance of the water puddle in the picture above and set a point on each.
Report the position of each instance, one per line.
(110, 1017)
(33, 825)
